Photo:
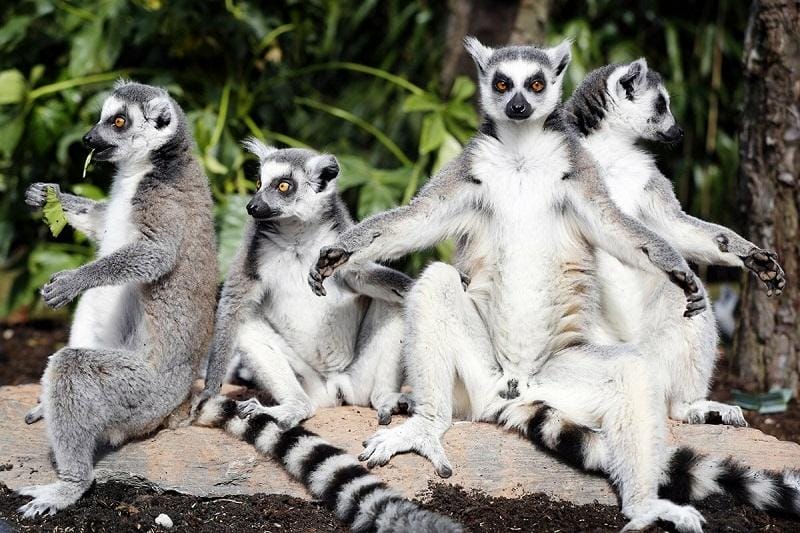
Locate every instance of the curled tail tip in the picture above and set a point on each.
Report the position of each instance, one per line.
(215, 411)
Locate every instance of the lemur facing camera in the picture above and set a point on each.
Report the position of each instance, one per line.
(145, 319)
(529, 209)
(613, 108)
(305, 351)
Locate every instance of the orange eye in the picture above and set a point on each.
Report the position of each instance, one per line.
(284, 186)
(119, 122)
(501, 86)
(537, 86)
(258, 184)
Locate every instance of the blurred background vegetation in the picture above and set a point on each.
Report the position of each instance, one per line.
(380, 84)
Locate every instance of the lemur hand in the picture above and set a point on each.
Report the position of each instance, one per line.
(62, 288)
(36, 195)
(764, 264)
(330, 258)
(695, 295)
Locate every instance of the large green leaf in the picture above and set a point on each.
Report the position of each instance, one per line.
(433, 133)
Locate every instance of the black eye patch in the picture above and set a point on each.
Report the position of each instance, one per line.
(501, 83)
(661, 104)
(537, 78)
(276, 184)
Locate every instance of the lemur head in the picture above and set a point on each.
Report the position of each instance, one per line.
(519, 84)
(293, 183)
(136, 121)
(631, 99)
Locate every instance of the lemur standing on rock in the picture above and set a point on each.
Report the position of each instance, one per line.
(306, 352)
(613, 108)
(145, 319)
(529, 209)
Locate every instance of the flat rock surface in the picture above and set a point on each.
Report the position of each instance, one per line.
(203, 461)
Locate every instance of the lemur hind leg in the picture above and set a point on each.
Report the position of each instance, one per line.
(77, 422)
(376, 374)
(265, 353)
(446, 340)
(611, 388)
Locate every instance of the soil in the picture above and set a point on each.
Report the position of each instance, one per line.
(115, 507)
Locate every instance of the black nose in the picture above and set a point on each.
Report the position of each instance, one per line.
(518, 108)
(89, 139)
(251, 208)
(673, 134)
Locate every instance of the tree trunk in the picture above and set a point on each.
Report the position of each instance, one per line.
(767, 341)
(494, 23)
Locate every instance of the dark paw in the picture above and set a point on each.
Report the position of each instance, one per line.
(62, 288)
(36, 194)
(695, 296)
(512, 390)
(330, 258)
(315, 281)
(764, 264)
(465, 280)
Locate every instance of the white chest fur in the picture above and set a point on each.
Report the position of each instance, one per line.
(321, 331)
(522, 185)
(118, 226)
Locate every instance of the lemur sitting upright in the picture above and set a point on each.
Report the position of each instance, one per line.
(146, 316)
(529, 209)
(306, 352)
(613, 108)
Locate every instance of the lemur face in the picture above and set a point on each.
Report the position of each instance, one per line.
(292, 183)
(640, 103)
(136, 119)
(519, 83)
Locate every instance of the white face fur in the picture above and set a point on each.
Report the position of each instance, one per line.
(519, 84)
(130, 131)
(293, 184)
(639, 104)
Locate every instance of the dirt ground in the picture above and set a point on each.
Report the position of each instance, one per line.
(114, 507)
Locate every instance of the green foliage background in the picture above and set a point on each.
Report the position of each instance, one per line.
(359, 79)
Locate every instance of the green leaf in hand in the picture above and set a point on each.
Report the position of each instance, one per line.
(53, 213)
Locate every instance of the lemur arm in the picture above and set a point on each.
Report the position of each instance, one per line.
(704, 242)
(441, 209)
(605, 226)
(241, 291)
(83, 214)
(379, 282)
(152, 255)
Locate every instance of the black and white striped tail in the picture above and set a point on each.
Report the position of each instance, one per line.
(336, 478)
(688, 476)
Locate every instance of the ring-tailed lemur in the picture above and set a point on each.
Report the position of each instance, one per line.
(330, 474)
(146, 316)
(613, 108)
(529, 209)
(306, 352)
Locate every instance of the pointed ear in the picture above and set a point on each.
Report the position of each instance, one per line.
(257, 148)
(560, 56)
(323, 168)
(633, 79)
(480, 53)
(159, 111)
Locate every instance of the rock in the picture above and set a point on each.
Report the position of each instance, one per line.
(207, 462)
(164, 521)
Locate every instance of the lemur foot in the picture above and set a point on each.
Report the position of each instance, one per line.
(685, 518)
(511, 391)
(709, 412)
(410, 437)
(288, 414)
(34, 415)
(393, 404)
(48, 499)
(695, 295)
(36, 194)
(764, 264)
(330, 258)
